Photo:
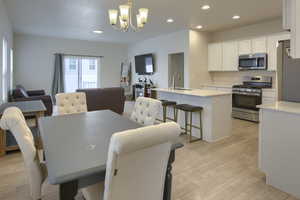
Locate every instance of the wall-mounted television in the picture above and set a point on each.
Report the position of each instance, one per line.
(144, 64)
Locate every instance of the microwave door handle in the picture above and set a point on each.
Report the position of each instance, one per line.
(256, 62)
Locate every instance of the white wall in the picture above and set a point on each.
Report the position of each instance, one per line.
(161, 47)
(250, 31)
(5, 31)
(198, 59)
(254, 30)
(34, 63)
(194, 46)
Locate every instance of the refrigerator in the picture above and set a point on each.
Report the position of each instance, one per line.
(288, 74)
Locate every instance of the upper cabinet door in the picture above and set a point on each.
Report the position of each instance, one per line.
(244, 47)
(286, 8)
(215, 57)
(230, 56)
(259, 45)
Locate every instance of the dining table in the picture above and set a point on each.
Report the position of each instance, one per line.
(76, 148)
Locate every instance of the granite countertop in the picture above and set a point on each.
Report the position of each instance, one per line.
(282, 106)
(194, 92)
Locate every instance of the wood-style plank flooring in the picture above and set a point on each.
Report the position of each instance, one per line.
(225, 170)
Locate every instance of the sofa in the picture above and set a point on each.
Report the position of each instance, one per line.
(105, 99)
(21, 94)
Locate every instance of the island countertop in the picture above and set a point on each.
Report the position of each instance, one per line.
(193, 92)
(282, 106)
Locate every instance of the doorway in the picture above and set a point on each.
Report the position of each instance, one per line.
(176, 70)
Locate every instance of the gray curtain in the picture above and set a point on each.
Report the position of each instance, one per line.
(58, 77)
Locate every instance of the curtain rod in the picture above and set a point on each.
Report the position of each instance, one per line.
(66, 54)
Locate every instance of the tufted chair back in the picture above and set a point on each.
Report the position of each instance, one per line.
(14, 121)
(137, 162)
(70, 103)
(146, 110)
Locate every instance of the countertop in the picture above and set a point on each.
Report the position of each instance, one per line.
(194, 92)
(282, 106)
(222, 85)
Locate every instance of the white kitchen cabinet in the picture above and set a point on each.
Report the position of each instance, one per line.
(244, 47)
(269, 96)
(272, 42)
(215, 57)
(259, 45)
(286, 8)
(291, 21)
(230, 56)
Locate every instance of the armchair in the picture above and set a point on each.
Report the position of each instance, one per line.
(20, 94)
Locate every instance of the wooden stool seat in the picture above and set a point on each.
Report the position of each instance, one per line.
(165, 104)
(188, 108)
(168, 103)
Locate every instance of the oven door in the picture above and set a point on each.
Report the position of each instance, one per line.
(246, 101)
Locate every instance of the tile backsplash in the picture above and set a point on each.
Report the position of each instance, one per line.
(237, 77)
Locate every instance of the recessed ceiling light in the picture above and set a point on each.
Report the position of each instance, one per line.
(98, 31)
(170, 20)
(236, 17)
(205, 7)
(199, 27)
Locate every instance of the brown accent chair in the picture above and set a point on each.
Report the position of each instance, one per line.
(21, 94)
(105, 99)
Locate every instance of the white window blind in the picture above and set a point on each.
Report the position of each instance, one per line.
(81, 72)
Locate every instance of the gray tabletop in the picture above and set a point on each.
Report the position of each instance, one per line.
(24, 106)
(76, 145)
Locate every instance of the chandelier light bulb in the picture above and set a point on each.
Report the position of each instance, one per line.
(124, 12)
(113, 17)
(126, 17)
(139, 21)
(143, 13)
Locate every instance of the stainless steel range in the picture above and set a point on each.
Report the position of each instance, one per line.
(246, 97)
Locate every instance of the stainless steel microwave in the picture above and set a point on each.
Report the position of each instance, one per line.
(253, 62)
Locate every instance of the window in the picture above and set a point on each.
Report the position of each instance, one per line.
(92, 65)
(4, 70)
(73, 64)
(81, 72)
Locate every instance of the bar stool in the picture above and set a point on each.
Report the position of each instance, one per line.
(186, 108)
(165, 105)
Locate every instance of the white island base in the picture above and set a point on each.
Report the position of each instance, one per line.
(216, 114)
(279, 145)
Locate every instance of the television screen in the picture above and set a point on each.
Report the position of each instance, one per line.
(144, 64)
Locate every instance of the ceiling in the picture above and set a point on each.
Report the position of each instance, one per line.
(77, 19)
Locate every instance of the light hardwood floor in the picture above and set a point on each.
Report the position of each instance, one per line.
(225, 170)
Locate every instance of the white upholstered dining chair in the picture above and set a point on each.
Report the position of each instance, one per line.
(14, 121)
(70, 103)
(146, 110)
(137, 164)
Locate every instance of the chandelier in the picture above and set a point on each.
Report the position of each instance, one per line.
(125, 18)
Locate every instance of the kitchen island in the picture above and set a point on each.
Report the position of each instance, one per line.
(279, 139)
(216, 114)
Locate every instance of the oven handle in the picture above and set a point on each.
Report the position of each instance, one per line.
(246, 94)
